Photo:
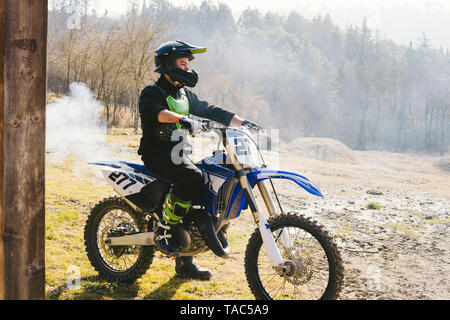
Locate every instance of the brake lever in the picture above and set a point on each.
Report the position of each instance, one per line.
(205, 125)
(253, 128)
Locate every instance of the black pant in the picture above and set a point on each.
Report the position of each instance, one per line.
(187, 177)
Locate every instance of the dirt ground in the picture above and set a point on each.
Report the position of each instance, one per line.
(399, 250)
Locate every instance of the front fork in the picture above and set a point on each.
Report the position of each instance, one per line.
(284, 236)
(272, 251)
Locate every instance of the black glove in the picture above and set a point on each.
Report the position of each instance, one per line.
(251, 125)
(192, 126)
(165, 132)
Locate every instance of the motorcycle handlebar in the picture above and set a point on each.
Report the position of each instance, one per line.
(209, 125)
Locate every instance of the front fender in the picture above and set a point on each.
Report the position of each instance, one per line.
(260, 175)
(239, 202)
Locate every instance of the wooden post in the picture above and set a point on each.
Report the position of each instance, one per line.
(23, 63)
(2, 100)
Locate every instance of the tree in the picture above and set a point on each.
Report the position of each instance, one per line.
(250, 18)
(139, 37)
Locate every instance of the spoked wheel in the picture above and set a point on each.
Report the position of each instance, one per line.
(114, 217)
(312, 264)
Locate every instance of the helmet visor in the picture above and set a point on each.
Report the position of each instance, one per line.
(198, 50)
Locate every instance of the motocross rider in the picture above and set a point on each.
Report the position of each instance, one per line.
(164, 107)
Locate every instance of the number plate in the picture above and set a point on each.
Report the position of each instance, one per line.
(244, 148)
(125, 183)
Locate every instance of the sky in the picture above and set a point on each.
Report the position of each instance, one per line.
(401, 20)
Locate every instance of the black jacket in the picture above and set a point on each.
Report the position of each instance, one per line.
(153, 100)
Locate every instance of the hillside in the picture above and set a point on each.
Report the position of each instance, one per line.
(306, 75)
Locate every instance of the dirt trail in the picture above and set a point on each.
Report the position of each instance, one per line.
(400, 251)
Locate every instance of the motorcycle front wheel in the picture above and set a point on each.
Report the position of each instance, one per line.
(114, 217)
(312, 258)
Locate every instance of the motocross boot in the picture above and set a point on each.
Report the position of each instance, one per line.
(170, 236)
(185, 267)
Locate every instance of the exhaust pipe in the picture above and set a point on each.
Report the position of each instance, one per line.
(137, 239)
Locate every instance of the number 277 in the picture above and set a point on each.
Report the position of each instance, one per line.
(119, 177)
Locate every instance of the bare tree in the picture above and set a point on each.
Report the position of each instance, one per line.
(141, 37)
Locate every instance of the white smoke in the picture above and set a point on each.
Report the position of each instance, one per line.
(74, 126)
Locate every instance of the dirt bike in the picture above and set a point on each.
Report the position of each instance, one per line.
(288, 256)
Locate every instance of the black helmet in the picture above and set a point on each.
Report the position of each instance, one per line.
(166, 55)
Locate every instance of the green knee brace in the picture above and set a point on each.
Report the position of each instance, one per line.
(175, 209)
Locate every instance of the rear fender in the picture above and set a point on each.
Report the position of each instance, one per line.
(138, 186)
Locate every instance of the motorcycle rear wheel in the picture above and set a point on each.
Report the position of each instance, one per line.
(123, 264)
(317, 269)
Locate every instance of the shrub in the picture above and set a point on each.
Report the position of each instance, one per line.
(373, 205)
(374, 192)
